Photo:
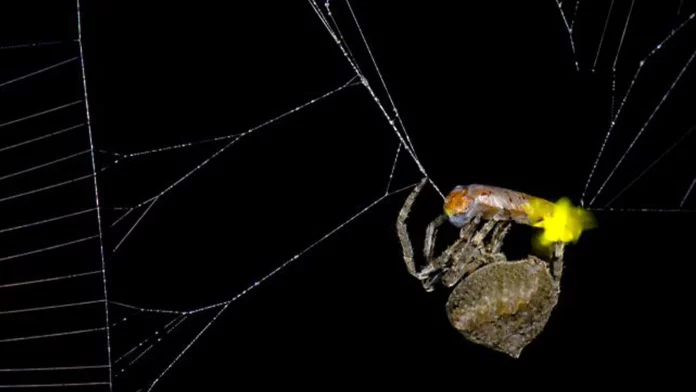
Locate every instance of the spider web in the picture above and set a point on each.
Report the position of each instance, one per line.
(675, 32)
(79, 213)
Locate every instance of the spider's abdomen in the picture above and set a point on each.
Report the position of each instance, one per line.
(504, 306)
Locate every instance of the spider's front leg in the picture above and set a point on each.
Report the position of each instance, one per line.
(430, 272)
(430, 236)
(402, 229)
(444, 260)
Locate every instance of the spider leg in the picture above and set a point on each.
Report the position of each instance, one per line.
(443, 261)
(444, 258)
(431, 234)
(478, 238)
(429, 281)
(469, 229)
(493, 249)
(475, 253)
(466, 259)
(438, 264)
(498, 235)
(402, 229)
(557, 261)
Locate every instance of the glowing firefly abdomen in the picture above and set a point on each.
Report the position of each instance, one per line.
(560, 221)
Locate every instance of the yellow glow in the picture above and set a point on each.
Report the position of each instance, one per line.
(561, 222)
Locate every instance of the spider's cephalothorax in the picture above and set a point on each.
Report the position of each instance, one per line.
(497, 303)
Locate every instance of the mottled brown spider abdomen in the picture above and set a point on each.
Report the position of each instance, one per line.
(504, 306)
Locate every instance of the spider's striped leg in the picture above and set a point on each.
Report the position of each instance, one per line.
(443, 260)
(430, 236)
(557, 261)
(473, 254)
(442, 263)
(466, 260)
(434, 270)
(402, 229)
(429, 274)
(497, 237)
(493, 248)
(469, 229)
(477, 241)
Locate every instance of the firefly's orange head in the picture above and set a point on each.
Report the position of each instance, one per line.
(458, 201)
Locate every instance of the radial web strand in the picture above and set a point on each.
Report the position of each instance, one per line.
(615, 116)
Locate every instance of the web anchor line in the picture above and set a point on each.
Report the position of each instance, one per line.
(655, 210)
(234, 140)
(36, 44)
(41, 113)
(167, 331)
(267, 276)
(48, 280)
(53, 369)
(628, 92)
(96, 192)
(52, 335)
(655, 162)
(52, 307)
(365, 82)
(36, 139)
(688, 192)
(642, 129)
(63, 385)
(135, 347)
(570, 35)
(604, 32)
(226, 304)
(38, 72)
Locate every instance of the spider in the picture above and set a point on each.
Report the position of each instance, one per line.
(501, 304)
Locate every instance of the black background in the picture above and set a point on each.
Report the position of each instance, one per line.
(488, 93)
